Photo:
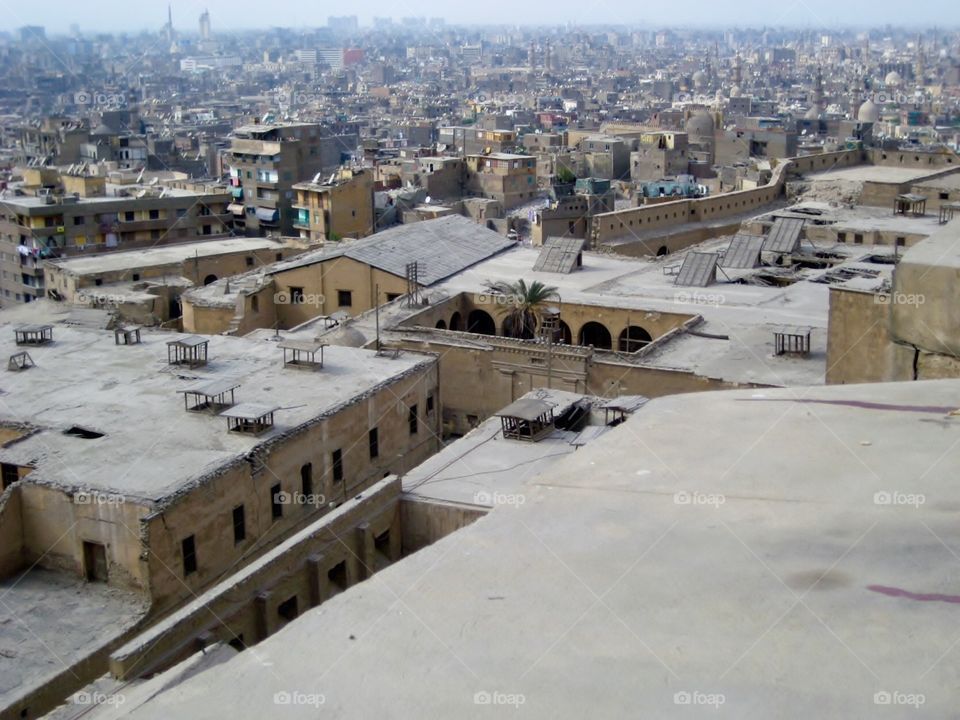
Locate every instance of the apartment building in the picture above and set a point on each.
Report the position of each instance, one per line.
(658, 155)
(265, 161)
(511, 179)
(89, 215)
(341, 207)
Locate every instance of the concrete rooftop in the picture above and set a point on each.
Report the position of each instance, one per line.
(748, 554)
(151, 446)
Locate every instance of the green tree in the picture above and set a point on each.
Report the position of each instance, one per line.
(522, 305)
(565, 175)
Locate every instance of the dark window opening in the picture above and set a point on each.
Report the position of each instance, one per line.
(344, 298)
(337, 575)
(429, 404)
(95, 561)
(306, 478)
(338, 466)
(239, 525)
(288, 609)
(412, 420)
(237, 643)
(374, 441)
(189, 549)
(10, 474)
(276, 502)
(296, 296)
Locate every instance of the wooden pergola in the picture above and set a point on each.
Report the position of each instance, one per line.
(615, 411)
(302, 353)
(190, 351)
(792, 339)
(209, 396)
(526, 419)
(250, 418)
(33, 334)
(947, 211)
(910, 204)
(127, 335)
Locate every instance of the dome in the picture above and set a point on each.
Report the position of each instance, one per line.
(893, 78)
(812, 114)
(868, 113)
(699, 78)
(700, 124)
(346, 336)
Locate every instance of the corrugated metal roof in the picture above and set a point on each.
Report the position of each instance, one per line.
(442, 247)
(784, 235)
(525, 409)
(698, 269)
(559, 255)
(744, 251)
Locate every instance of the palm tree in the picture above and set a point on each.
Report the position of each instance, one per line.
(522, 305)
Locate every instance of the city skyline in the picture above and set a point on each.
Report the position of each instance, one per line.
(112, 16)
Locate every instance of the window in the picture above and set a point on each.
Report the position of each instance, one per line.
(255, 303)
(181, 212)
(344, 298)
(154, 234)
(392, 296)
(154, 214)
(207, 230)
(901, 241)
(373, 440)
(412, 419)
(338, 466)
(136, 276)
(429, 404)
(296, 296)
(337, 575)
(129, 216)
(276, 502)
(306, 478)
(288, 608)
(239, 525)
(189, 549)
(841, 237)
(858, 239)
(79, 220)
(249, 261)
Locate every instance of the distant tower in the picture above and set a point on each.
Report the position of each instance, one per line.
(737, 71)
(205, 25)
(547, 60)
(532, 57)
(818, 89)
(169, 28)
(919, 70)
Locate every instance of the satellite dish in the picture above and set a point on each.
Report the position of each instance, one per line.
(427, 201)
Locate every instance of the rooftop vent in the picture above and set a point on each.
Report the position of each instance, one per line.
(527, 419)
(33, 334)
(302, 353)
(20, 361)
(210, 396)
(190, 351)
(250, 418)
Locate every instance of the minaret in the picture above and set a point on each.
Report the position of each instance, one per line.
(169, 28)
(547, 60)
(919, 69)
(532, 57)
(737, 71)
(818, 89)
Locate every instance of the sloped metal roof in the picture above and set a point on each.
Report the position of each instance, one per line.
(744, 251)
(698, 269)
(559, 255)
(442, 248)
(784, 236)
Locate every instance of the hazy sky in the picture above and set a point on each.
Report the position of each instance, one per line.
(115, 15)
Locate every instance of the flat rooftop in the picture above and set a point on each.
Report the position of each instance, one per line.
(97, 264)
(151, 446)
(52, 620)
(875, 173)
(797, 549)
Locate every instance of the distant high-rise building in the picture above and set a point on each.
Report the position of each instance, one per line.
(32, 33)
(344, 24)
(205, 25)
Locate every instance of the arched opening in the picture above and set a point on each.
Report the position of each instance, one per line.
(564, 336)
(662, 251)
(510, 329)
(456, 322)
(481, 323)
(209, 279)
(593, 333)
(441, 325)
(633, 338)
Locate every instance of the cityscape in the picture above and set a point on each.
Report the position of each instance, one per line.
(424, 361)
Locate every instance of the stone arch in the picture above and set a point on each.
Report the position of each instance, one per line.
(209, 279)
(662, 251)
(441, 325)
(456, 322)
(480, 322)
(633, 338)
(596, 334)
